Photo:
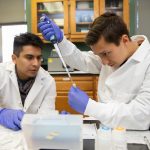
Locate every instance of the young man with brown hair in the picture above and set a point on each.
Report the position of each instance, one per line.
(124, 67)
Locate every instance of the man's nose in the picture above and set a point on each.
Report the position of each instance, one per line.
(35, 62)
(105, 61)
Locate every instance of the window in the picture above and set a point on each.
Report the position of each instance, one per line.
(8, 34)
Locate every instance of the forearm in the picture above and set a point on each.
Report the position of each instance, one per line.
(129, 115)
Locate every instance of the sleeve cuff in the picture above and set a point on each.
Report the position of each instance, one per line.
(89, 107)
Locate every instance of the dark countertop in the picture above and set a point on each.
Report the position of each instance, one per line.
(71, 72)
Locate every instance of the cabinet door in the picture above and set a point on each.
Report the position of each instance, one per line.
(63, 84)
(62, 102)
(84, 82)
(57, 10)
(82, 14)
(120, 7)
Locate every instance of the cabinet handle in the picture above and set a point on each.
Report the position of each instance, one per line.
(66, 79)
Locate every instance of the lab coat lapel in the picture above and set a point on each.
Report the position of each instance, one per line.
(35, 90)
(14, 80)
(113, 77)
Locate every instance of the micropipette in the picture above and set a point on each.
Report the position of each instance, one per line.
(64, 64)
(53, 38)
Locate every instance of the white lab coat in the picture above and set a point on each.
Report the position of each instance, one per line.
(124, 94)
(41, 97)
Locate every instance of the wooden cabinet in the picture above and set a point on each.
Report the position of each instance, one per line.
(82, 14)
(86, 83)
(57, 10)
(75, 16)
(120, 7)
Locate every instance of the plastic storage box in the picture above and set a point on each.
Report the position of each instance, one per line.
(53, 131)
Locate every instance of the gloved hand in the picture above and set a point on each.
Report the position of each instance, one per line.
(78, 99)
(11, 118)
(63, 112)
(51, 32)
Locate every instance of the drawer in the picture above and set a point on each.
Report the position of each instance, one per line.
(87, 83)
(96, 83)
(59, 94)
(75, 78)
(83, 85)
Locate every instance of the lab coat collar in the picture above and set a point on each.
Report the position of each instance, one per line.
(37, 86)
(10, 66)
(143, 49)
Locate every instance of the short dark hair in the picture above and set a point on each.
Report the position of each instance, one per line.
(24, 40)
(108, 25)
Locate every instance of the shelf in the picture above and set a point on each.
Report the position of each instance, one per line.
(114, 8)
(45, 11)
(83, 9)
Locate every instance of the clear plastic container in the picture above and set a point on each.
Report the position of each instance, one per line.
(119, 141)
(104, 138)
(53, 131)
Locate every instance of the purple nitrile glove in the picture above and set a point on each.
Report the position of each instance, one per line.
(11, 118)
(50, 31)
(78, 99)
(63, 112)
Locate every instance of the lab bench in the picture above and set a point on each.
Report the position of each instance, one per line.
(16, 140)
(86, 82)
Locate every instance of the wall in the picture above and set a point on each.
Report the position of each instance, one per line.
(11, 12)
(142, 23)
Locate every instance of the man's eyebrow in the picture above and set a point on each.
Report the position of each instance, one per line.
(33, 55)
(39, 55)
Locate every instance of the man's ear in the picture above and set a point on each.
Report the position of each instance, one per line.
(14, 57)
(125, 38)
